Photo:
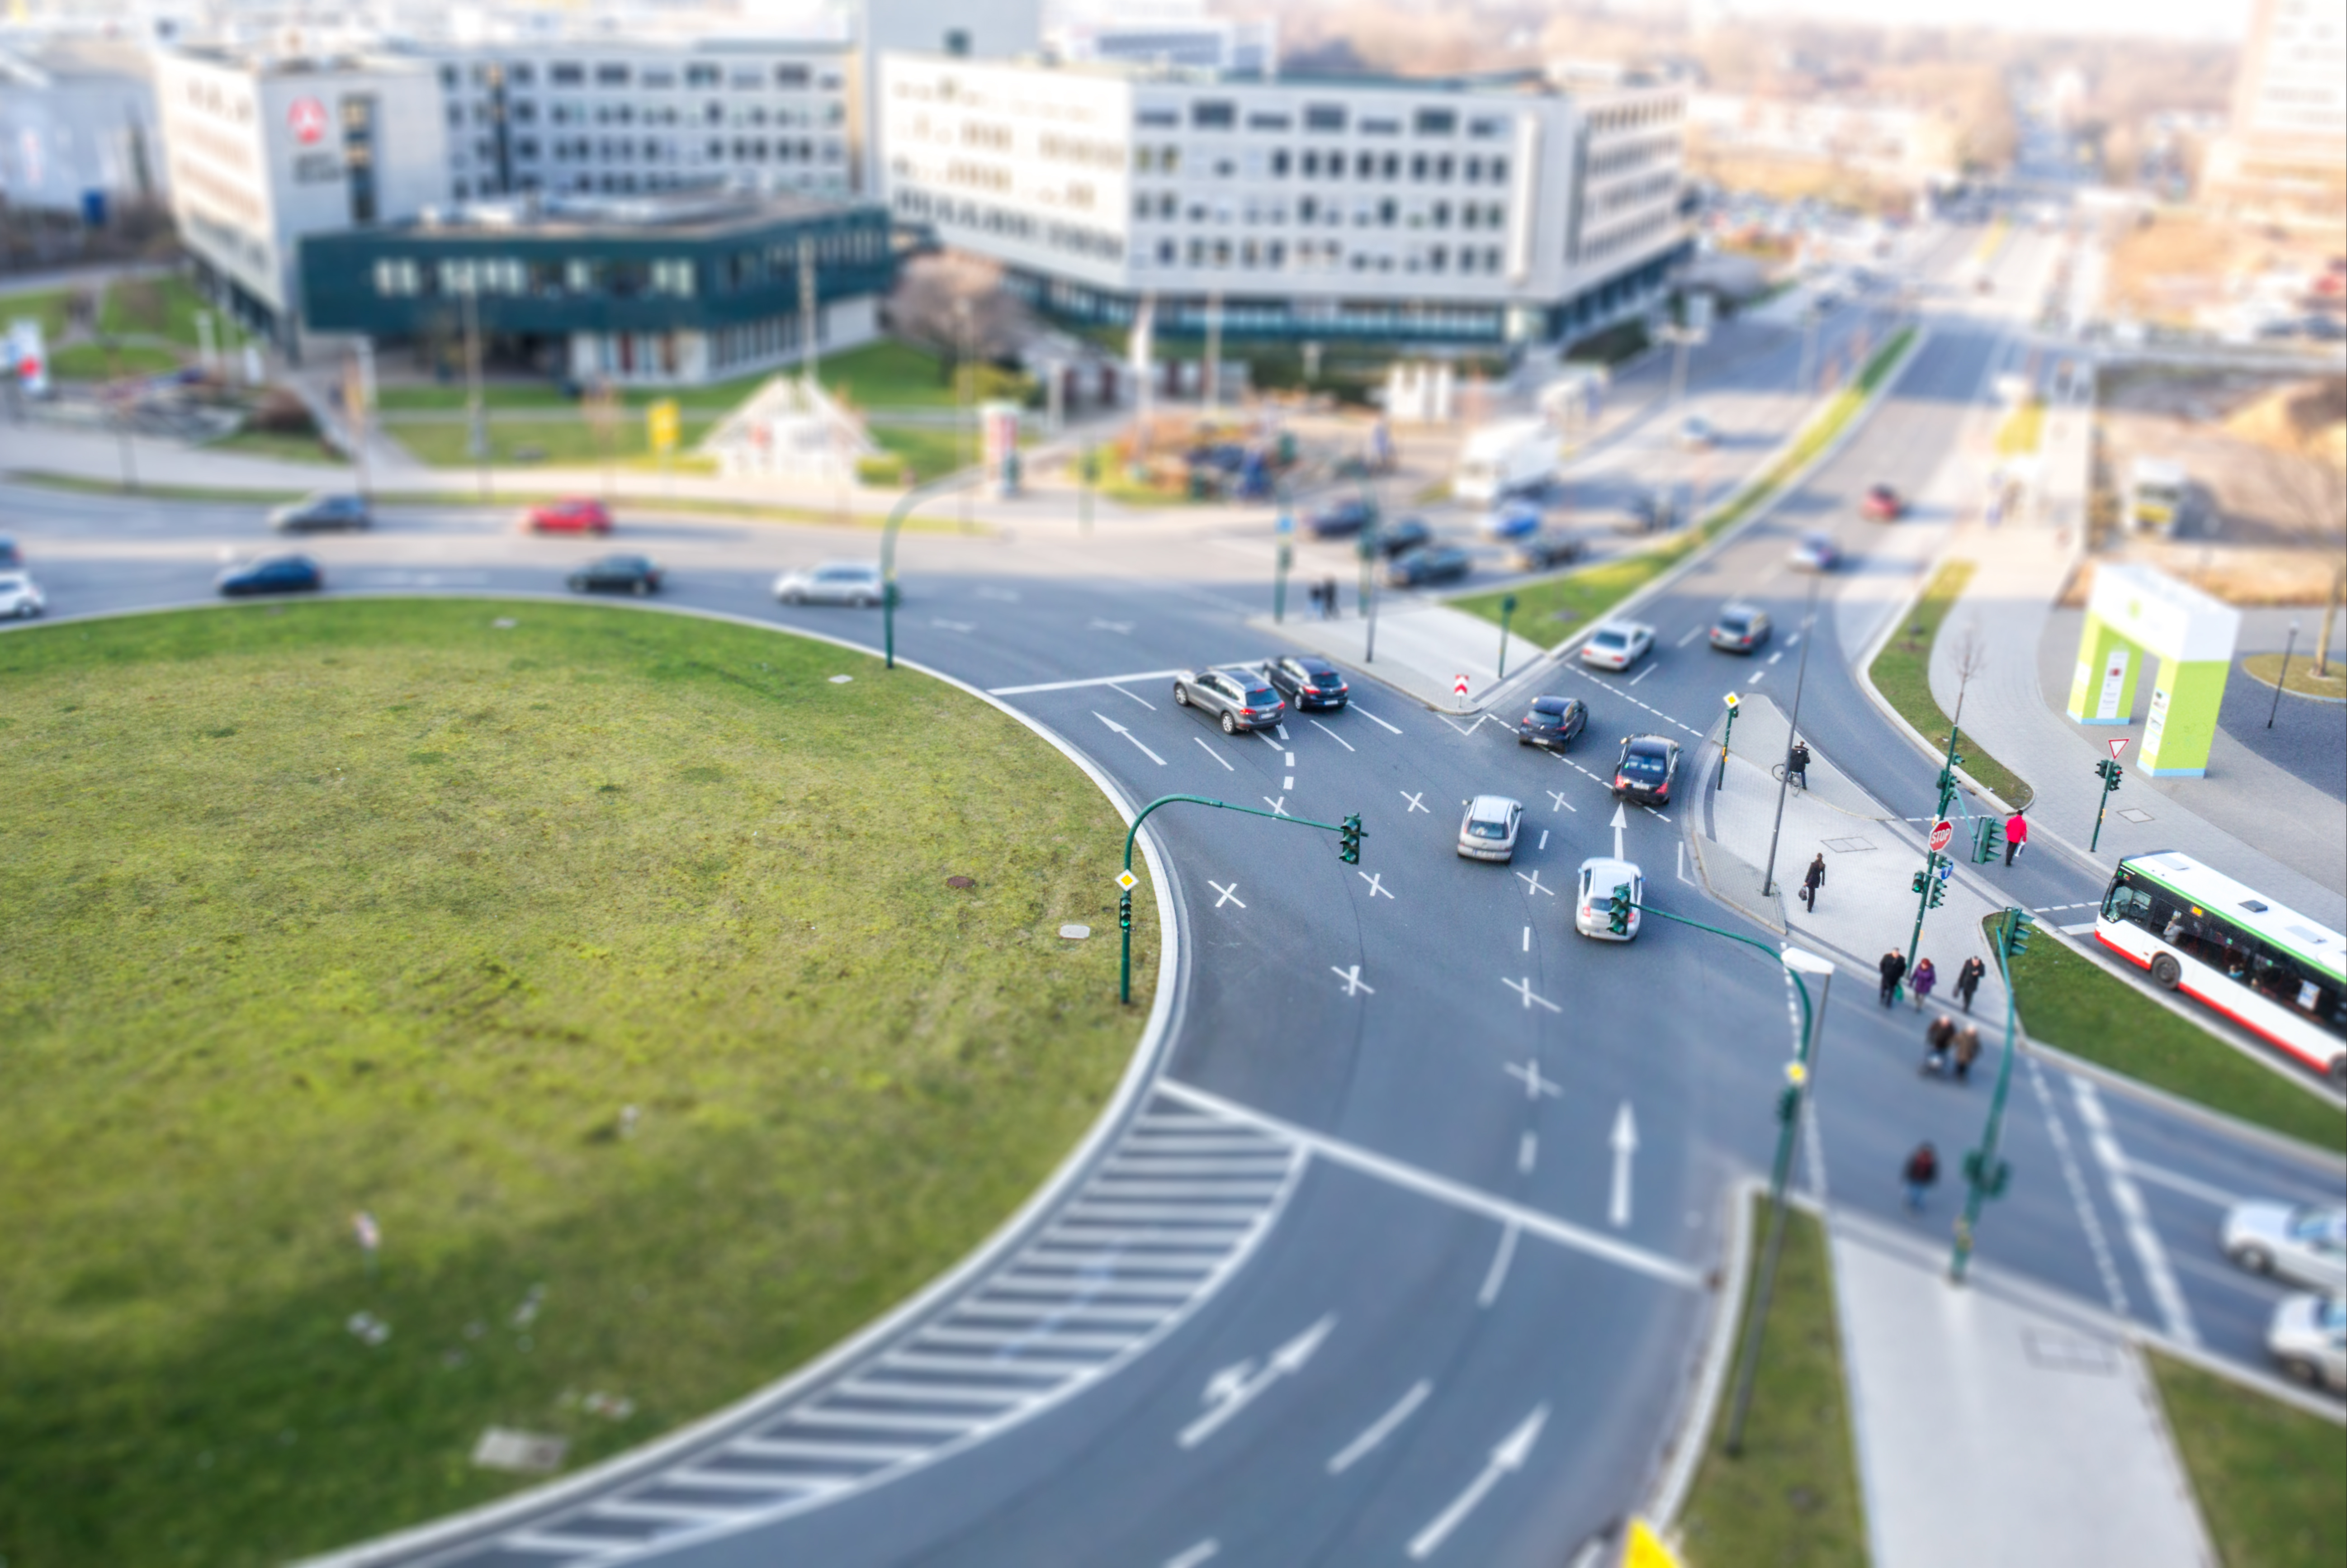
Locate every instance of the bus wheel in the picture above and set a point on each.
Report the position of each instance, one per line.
(2166, 972)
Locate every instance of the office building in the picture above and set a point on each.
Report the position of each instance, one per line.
(1530, 208)
(2284, 157)
(663, 290)
(77, 129)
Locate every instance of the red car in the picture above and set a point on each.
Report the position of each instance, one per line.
(1882, 505)
(575, 515)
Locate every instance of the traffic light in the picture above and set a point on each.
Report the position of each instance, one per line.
(1989, 1178)
(1938, 891)
(1124, 912)
(2018, 925)
(1916, 884)
(1349, 840)
(1988, 840)
(2109, 771)
(1617, 910)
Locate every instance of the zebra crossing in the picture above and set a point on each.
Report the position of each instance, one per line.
(1169, 1215)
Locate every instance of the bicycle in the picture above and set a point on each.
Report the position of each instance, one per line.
(1799, 781)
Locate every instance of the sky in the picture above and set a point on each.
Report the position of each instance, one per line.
(2227, 19)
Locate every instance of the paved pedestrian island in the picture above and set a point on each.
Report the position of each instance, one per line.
(1992, 1430)
(1422, 648)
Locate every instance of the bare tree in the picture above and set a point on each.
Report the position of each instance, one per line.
(2310, 474)
(1969, 656)
(956, 306)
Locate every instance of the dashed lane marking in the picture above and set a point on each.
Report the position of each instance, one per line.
(1122, 693)
(1078, 685)
(1381, 1428)
(1213, 753)
(1497, 1275)
(1373, 719)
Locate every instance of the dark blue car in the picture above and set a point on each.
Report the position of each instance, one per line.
(272, 574)
(1341, 520)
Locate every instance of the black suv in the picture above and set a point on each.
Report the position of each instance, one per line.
(1308, 682)
(1644, 770)
(1552, 722)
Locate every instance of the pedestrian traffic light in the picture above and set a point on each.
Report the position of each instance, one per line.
(2018, 925)
(1617, 910)
(1988, 840)
(1124, 912)
(1916, 885)
(1348, 848)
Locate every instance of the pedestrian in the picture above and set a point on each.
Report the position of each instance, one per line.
(1812, 879)
(1796, 764)
(1922, 1170)
(1329, 598)
(1320, 601)
(1922, 981)
(1937, 1039)
(1893, 968)
(2016, 835)
(1968, 979)
(1967, 1052)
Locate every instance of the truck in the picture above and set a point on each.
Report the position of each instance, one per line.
(1507, 459)
(2154, 495)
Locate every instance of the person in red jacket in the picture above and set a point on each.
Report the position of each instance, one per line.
(2016, 835)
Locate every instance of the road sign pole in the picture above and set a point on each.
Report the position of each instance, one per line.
(888, 531)
(1507, 611)
(1984, 1173)
(1792, 734)
(2282, 678)
(1725, 736)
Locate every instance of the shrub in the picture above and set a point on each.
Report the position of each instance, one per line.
(882, 469)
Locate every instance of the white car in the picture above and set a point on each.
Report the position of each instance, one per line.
(2307, 1246)
(1697, 434)
(1617, 645)
(1814, 552)
(2308, 1338)
(833, 582)
(21, 598)
(1593, 900)
(1488, 832)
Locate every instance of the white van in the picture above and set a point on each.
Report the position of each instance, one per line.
(1504, 459)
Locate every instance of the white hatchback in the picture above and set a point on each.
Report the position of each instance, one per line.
(2308, 1338)
(2307, 1246)
(1593, 897)
(1488, 832)
(20, 597)
(1617, 645)
(833, 582)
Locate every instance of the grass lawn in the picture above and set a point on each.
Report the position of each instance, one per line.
(1557, 605)
(887, 375)
(283, 447)
(2266, 668)
(91, 362)
(1791, 1499)
(560, 438)
(46, 307)
(2072, 1005)
(932, 451)
(607, 961)
(2271, 1480)
(1902, 673)
(2023, 430)
(162, 307)
(718, 397)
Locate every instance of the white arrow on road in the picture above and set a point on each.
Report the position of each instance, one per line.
(1234, 1389)
(1618, 822)
(1509, 1456)
(1626, 1144)
(1129, 735)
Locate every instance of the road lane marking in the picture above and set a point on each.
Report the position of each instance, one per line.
(1330, 734)
(1213, 753)
(1527, 1150)
(1287, 781)
(1354, 984)
(1122, 627)
(1196, 1555)
(1563, 803)
(1275, 746)
(1507, 1458)
(1642, 674)
(1683, 876)
(1774, 657)
(1234, 1388)
(1417, 802)
(1381, 1428)
(1441, 1189)
(1376, 884)
(1279, 807)
(962, 626)
(1524, 988)
(1122, 693)
(2177, 1182)
(1624, 1143)
(1534, 1084)
(1230, 894)
(1497, 1275)
(1076, 685)
(1693, 633)
(2081, 1200)
(1528, 938)
(1129, 735)
(1543, 844)
(2150, 1254)
(1758, 677)
(1291, 757)
(1533, 884)
(1373, 719)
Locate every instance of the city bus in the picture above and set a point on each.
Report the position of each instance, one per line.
(2268, 968)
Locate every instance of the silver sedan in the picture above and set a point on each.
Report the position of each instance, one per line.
(1488, 832)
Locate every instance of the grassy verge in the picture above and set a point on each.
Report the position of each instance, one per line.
(876, 376)
(2303, 679)
(2023, 430)
(558, 949)
(1792, 1497)
(564, 438)
(1584, 595)
(46, 307)
(2272, 1482)
(82, 485)
(163, 307)
(2071, 1004)
(92, 362)
(280, 447)
(1902, 673)
(931, 451)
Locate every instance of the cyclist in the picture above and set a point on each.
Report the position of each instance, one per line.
(1796, 764)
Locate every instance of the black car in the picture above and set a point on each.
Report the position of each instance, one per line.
(1342, 521)
(617, 574)
(326, 509)
(1645, 768)
(1552, 722)
(1541, 552)
(272, 574)
(1409, 534)
(1308, 682)
(1427, 565)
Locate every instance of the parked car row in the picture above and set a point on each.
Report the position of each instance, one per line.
(2306, 1247)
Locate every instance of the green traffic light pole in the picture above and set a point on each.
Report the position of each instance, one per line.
(1284, 536)
(1932, 856)
(1798, 1073)
(1984, 1173)
(1725, 736)
(1350, 830)
(2110, 772)
(1507, 610)
(897, 516)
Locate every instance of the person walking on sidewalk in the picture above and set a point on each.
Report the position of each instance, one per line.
(2016, 835)
(1968, 979)
(1922, 981)
(1796, 764)
(1967, 1052)
(1893, 968)
(1937, 1039)
(1812, 879)
(1328, 599)
(1921, 1169)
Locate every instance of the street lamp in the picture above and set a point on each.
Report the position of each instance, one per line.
(1801, 678)
(897, 516)
(1984, 1173)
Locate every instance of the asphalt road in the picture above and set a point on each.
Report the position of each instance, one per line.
(1416, 1299)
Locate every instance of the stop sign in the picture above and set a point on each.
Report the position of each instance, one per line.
(1942, 832)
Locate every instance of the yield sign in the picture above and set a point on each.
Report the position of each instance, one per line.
(2116, 747)
(1943, 831)
(1459, 685)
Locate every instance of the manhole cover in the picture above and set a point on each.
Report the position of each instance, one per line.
(961, 881)
(2135, 814)
(841, 679)
(1848, 845)
(1075, 933)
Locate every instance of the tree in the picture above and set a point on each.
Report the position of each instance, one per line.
(955, 305)
(2306, 467)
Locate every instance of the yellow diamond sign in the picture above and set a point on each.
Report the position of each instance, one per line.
(1646, 1549)
(1127, 880)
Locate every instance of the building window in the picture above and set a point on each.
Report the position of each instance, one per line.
(789, 75)
(1366, 166)
(1393, 167)
(1380, 127)
(521, 75)
(564, 74)
(958, 42)
(701, 76)
(1267, 122)
(1443, 166)
(674, 277)
(611, 75)
(1499, 171)
(1487, 129)
(1418, 166)
(1437, 122)
(1279, 162)
(396, 278)
(1214, 114)
(448, 78)
(1386, 213)
(1324, 116)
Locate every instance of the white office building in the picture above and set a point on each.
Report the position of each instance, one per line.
(77, 129)
(1532, 207)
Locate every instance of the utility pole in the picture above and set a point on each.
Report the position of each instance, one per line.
(475, 414)
(808, 345)
(1214, 387)
(122, 407)
(966, 437)
(1792, 734)
(354, 415)
(1507, 612)
(2280, 680)
(1931, 883)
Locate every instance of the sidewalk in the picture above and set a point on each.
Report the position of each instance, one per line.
(1990, 1432)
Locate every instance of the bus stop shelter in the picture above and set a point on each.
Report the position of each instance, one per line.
(2135, 613)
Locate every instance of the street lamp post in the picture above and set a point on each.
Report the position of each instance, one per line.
(1801, 678)
(1283, 533)
(897, 516)
(1984, 1173)
(1507, 610)
(475, 414)
(2282, 678)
